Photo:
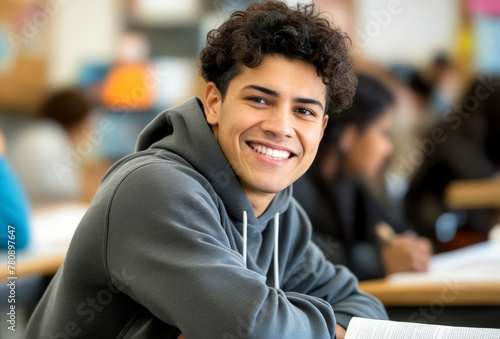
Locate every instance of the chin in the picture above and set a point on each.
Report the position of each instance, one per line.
(269, 189)
(273, 190)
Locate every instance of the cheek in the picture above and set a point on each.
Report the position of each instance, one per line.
(372, 151)
(236, 124)
(380, 147)
(310, 141)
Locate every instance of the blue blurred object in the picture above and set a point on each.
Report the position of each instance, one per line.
(6, 54)
(3, 46)
(14, 211)
(487, 43)
(448, 224)
(92, 73)
(126, 126)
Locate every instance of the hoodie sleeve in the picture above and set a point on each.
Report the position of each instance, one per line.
(167, 233)
(314, 275)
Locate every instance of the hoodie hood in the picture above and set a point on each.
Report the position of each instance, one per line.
(184, 131)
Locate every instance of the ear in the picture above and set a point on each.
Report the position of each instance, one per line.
(348, 138)
(325, 122)
(212, 103)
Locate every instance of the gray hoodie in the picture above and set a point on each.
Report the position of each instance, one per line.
(164, 248)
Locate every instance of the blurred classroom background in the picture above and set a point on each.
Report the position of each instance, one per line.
(79, 79)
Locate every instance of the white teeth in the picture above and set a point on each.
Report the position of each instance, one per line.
(271, 153)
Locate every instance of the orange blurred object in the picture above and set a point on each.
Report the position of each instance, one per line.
(129, 86)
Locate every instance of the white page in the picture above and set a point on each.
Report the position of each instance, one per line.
(360, 328)
(52, 229)
(475, 263)
(481, 254)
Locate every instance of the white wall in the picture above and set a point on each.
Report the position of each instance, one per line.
(414, 32)
(81, 30)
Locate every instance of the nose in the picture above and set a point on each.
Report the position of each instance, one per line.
(278, 123)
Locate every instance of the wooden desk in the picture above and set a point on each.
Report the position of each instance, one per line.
(448, 294)
(28, 266)
(467, 194)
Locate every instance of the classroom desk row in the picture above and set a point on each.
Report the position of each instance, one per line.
(445, 293)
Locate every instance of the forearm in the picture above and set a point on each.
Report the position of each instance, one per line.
(340, 332)
(336, 285)
(351, 302)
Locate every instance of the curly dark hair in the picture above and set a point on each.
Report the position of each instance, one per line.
(271, 27)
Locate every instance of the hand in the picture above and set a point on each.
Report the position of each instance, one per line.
(340, 334)
(181, 336)
(407, 253)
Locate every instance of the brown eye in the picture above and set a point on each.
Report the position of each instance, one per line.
(305, 111)
(258, 100)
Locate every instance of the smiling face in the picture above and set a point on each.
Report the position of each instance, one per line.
(269, 124)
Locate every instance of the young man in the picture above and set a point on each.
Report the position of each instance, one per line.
(182, 236)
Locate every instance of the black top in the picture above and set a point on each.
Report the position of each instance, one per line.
(344, 214)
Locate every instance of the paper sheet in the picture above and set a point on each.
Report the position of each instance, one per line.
(380, 329)
(52, 230)
(476, 263)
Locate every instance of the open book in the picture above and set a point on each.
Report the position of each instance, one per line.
(381, 329)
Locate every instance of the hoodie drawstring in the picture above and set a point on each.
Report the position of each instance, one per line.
(245, 237)
(276, 256)
(276, 265)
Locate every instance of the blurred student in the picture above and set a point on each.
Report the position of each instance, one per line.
(467, 148)
(47, 155)
(343, 212)
(14, 210)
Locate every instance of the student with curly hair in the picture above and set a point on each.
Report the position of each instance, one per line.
(197, 231)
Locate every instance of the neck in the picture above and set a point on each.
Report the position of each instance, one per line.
(260, 201)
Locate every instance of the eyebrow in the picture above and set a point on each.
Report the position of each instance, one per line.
(276, 94)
